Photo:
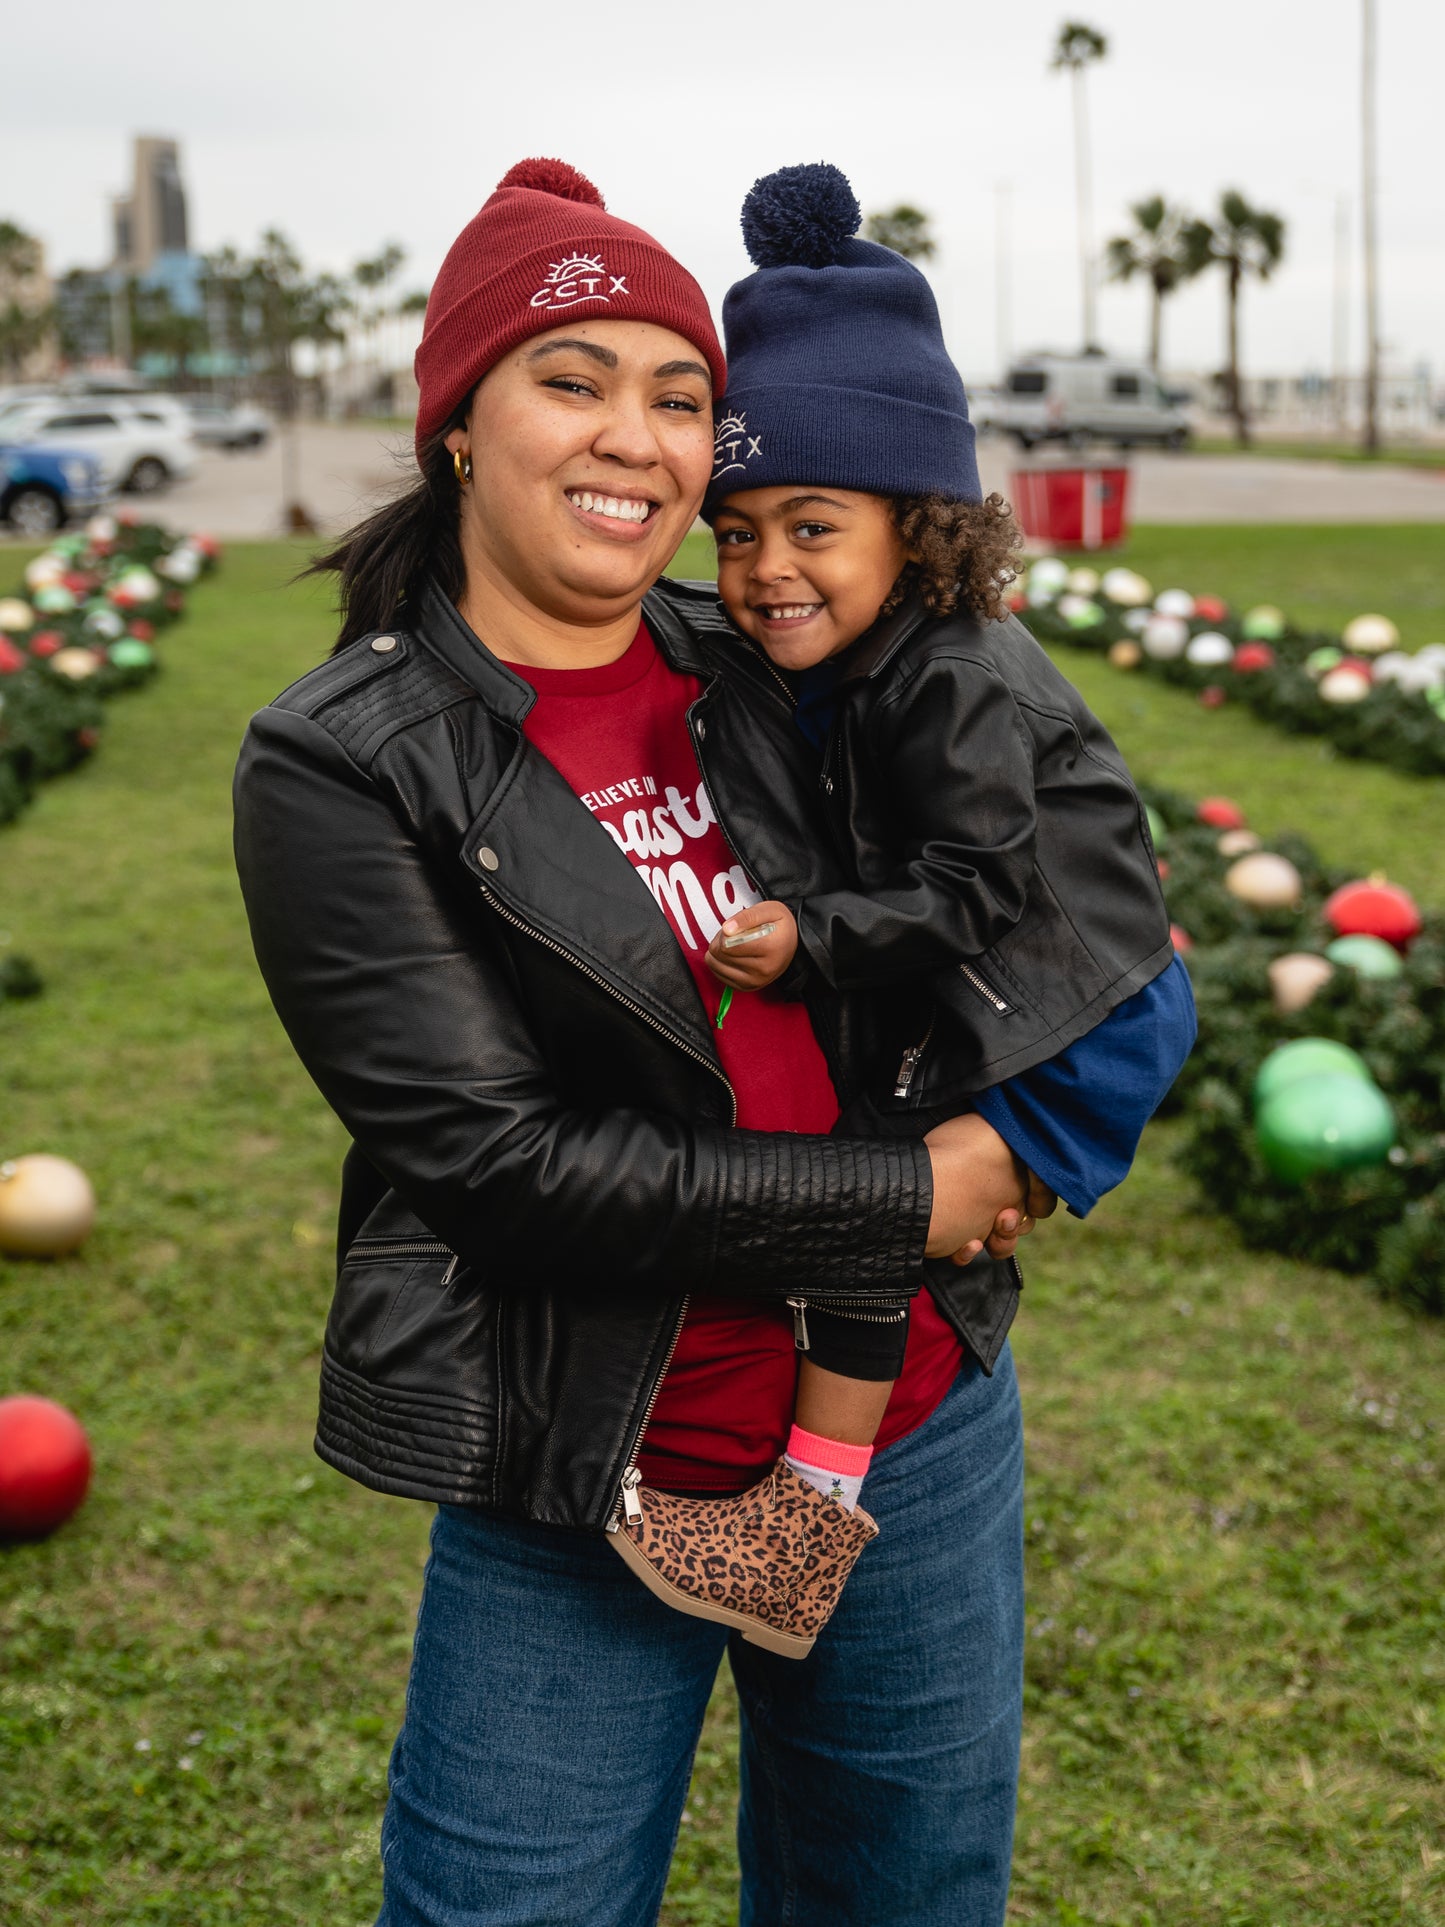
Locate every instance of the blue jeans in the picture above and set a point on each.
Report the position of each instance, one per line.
(554, 1707)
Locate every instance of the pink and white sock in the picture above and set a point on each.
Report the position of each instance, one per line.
(828, 1465)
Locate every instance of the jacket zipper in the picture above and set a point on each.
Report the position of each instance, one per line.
(547, 943)
(894, 1315)
(627, 1505)
(912, 1058)
(405, 1248)
(986, 990)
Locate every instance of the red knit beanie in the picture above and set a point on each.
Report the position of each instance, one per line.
(543, 248)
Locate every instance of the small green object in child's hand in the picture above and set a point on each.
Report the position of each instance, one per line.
(724, 1004)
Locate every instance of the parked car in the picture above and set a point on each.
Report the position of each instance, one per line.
(1083, 398)
(217, 426)
(41, 489)
(139, 446)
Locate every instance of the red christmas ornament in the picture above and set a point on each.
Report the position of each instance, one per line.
(1360, 664)
(1213, 697)
(44, 1466)
(1180, 939)
(1016, 600)
(142, 631)
(88, 737)
(209, 547)
(1209, 608)
(1374, 909)
(174, 601)
(1220, 813)
(1162, 865)
(45, 642)
(1250, 657)
(11, 658)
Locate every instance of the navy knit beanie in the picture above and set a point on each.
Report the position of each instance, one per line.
(837, 372)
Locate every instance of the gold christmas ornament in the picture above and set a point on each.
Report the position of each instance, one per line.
(47, 1206)
(1125, 654)
(1264, 881)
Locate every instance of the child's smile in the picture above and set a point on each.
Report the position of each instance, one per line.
(805, 572)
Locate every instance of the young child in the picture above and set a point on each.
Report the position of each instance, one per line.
(1007, 902)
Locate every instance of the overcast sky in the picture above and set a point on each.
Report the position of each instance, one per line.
(351, 122)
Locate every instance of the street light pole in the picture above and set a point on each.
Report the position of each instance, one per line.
(1084, 186)
(1368, 227)
(1002, 273)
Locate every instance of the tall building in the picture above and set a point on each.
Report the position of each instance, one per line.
(151, 220)
(150, 240)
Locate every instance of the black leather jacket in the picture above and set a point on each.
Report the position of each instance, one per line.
(543, 1157)
(1016, 888)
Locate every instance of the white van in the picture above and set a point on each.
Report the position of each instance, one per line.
(1083, 398)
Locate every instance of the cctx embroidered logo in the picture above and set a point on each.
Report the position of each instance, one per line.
(732, 434)
(581, 277)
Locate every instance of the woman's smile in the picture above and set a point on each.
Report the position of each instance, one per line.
(618, 517)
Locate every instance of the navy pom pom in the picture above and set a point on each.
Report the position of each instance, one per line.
(800, 217)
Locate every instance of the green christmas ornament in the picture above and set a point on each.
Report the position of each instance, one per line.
(1084, 615)
(1306, 1057)
(1370, 956)
(1263, 624)
(1157, 832)
(131, 653)
(1331, 1122)
(1320, 661)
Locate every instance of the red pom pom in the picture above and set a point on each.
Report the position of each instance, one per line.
(552, 177)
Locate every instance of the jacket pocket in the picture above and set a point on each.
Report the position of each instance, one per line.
(1000, 1004)
(401, 1315)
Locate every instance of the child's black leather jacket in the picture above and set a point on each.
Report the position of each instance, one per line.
(1002, 854)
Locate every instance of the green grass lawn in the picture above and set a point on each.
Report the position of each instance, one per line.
(1236, 1664)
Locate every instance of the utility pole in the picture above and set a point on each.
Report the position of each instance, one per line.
(1002, 273)
(1340, 318)
(1085, 191)
(1369, 230)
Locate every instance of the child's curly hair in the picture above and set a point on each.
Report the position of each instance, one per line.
(968, 554)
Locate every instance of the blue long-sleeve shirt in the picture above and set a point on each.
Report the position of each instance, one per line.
(1075, 1120)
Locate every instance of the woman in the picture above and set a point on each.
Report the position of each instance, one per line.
(439, 844)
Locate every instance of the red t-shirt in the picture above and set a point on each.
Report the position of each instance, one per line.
(618, 736)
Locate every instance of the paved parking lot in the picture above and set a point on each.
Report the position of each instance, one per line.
(341, 469)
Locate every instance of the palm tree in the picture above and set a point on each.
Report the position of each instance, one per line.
(1167, 248)
(905, 230)
(1243, 240)
(1076, 48)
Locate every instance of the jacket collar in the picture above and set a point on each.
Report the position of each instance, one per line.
(667, 609)
(871, 654)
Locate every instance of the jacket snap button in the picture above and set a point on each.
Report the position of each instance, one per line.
(382, 644)
(488, 858)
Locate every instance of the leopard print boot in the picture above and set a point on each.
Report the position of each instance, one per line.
(772, 1561)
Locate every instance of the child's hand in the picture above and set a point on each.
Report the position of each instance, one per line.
(1012, 1224)
(758, 961)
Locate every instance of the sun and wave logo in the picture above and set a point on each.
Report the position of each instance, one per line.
(581, 277)
(730, 436)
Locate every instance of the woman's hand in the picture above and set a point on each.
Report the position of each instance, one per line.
(976, 1181)
(750, 963)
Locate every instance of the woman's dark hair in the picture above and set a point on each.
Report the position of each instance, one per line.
(381, 562)
(968, 554)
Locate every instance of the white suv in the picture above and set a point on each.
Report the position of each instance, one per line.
(140, 448)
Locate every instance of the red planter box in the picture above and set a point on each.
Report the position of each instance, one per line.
(1072, 508)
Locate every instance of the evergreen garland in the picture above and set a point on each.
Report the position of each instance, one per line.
(80, 630)
(1389, 1219)
(1395, 723)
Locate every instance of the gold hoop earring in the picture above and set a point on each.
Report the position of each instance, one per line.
(461, 467)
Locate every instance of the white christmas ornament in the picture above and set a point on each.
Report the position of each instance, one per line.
(1084, 581)
(181, 565)
(1136, 621)
(1237, 843)
(1264, 881)
(1210, 650)
(1174, 602)
(74, 664)
(1165, 637)
(1345, 685)
(105, 624)
(15, 615)
(1388, 666)
(47, 1207)
(1126, 588)
(45, 571)
(102, 528)
(1371, 635)
(1294, 979)
(1047, 578)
